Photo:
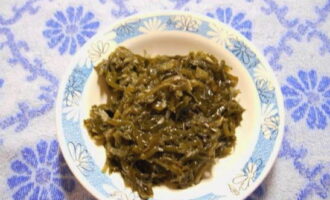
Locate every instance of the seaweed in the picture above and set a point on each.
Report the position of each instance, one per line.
(167, 119)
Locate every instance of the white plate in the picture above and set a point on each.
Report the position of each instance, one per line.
(258, 138)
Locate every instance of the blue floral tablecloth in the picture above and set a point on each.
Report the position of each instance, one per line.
(39, 37)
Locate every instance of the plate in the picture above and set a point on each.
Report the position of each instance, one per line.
(258, 138)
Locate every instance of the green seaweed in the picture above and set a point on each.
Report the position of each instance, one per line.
(167, 119)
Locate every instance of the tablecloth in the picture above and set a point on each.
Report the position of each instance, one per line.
(39, 37)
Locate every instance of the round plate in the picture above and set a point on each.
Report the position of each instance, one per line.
(258, 138)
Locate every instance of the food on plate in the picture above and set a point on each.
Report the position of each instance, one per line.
(167, 118)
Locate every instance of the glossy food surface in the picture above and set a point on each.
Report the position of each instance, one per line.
(167, 118)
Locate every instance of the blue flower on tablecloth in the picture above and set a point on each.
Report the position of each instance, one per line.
(1, 82)
(244, 54)
(41, 173)
(179, 3)
(325, 182)
(308, 97)
(318, 188)
(237, 21)
(69, 29)
(257, 194)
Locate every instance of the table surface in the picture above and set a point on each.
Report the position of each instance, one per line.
(39, 37)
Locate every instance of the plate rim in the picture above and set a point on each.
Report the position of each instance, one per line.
(278, 95)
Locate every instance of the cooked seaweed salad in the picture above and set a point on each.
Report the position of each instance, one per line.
(167, 118)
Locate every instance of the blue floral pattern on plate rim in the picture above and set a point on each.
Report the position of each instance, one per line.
(271, 101)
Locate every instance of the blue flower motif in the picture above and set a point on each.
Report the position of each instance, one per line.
(257, 194)
(309, 97)
(1, 82)
(67, 31)
(250, 173)
(316, 188)
(127, 29)
(244, 54)
(41, 174)
(254, 166)
(317, 176)
(180, 3)
(75, 83)
(122, 9)
(237, 22)
(72, 87)
(325, 181)
(265, 91)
